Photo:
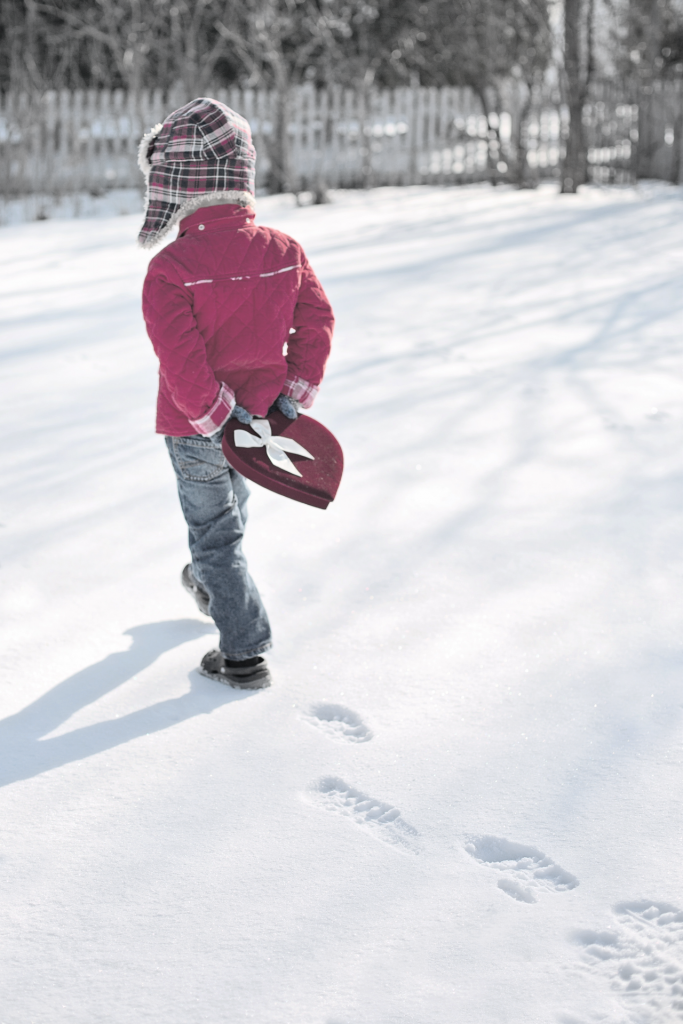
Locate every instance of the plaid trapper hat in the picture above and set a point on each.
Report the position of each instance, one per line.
(203, 147)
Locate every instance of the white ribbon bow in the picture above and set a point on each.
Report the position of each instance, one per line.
(276, 447)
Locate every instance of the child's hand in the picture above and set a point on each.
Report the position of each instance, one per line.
(238, 413)
(288, 406)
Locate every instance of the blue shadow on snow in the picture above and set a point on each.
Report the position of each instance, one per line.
(24, 754)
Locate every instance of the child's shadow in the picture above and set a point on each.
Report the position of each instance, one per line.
(24, 754)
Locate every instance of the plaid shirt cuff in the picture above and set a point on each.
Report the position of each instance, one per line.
(218, 414)
(301, 391)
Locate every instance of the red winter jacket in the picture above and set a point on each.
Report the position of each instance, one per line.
(220, 304)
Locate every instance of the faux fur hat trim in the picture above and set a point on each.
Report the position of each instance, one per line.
(143, 160)
(196, 203)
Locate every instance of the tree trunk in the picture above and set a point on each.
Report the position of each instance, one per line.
(279, 179)
(574, 166)
(494, 149)
(523, 176)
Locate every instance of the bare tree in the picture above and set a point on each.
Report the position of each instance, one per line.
(189, 41)
(482, 44)
(276, 41)
(579, 67)
(257, 34)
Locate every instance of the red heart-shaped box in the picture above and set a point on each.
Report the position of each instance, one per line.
(320, 476)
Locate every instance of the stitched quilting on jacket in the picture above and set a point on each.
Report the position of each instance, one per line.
(235, 314)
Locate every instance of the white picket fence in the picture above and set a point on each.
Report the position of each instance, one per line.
(86, 141)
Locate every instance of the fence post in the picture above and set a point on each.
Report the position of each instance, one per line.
(413, 134)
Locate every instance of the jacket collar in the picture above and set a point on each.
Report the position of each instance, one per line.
(216, 217)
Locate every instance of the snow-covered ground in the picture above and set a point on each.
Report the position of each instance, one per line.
(460, 802)
(113, 203)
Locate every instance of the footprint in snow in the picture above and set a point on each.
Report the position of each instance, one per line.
(339, 723)
(525, 870)
(381, 820)
(642, 956)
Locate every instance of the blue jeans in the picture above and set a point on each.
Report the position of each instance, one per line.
(213, 497)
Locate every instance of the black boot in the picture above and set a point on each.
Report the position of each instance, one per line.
(251, 674)
(194, 587)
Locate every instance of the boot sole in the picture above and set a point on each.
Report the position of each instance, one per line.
(258, 681)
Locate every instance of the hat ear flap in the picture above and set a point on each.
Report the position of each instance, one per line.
(146, 148)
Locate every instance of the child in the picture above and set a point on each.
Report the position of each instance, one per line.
(221, 304)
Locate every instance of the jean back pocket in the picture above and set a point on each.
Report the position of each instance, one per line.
(198, 458)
